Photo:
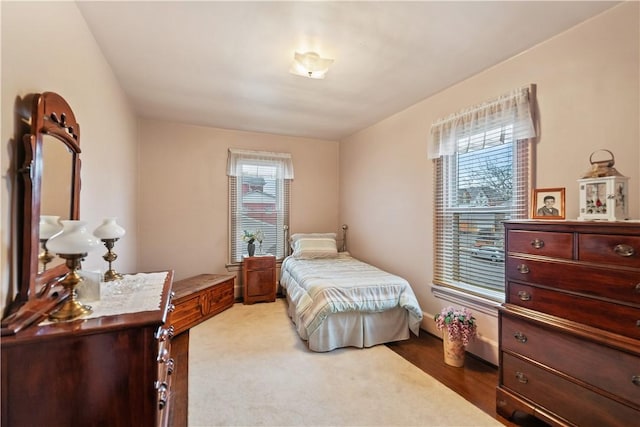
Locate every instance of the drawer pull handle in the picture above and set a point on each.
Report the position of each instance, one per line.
(163, 356)
(171, 365)
(524, 296)
(163, 394)
(624, 250)
(520, 337)
(162, 334)
(165, 334)
(638, 288)
(522, 377)
(537, 243)
(635, 379)
(522, 268)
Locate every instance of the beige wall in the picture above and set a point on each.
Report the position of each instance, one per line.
(182, 205)
(46, 46)
(168, 184)
(588, 94)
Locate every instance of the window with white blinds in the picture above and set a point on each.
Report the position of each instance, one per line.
(480, 181)
(258, 200)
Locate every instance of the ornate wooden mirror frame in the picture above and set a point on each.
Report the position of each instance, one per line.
(52, 122)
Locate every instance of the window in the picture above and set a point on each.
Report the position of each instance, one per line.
(258, 200)
(482, 170)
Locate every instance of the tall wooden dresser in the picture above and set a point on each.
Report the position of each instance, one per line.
(570, 326)
(112, 370)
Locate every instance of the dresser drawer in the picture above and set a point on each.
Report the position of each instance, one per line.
(617, 318)
(259, 262)
(610, 249)
(563, 397)
(622, 286)
(601, 366)
(551, 244)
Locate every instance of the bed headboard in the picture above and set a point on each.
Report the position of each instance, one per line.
(287, 244)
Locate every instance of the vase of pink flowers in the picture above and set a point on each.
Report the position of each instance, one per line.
(461, 329)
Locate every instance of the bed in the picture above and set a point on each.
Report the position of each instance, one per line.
(336, 300)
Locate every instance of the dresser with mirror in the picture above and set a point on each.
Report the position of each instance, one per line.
(112, 367)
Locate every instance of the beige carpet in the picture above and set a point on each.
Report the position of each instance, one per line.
(248, 367)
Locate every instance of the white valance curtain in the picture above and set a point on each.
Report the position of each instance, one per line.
(239, 157)
(507, 118)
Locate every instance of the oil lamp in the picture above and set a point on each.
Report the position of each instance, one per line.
(109, 232)
(72, 244)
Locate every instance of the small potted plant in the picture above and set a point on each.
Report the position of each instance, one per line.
(461, 329)
(251, 237)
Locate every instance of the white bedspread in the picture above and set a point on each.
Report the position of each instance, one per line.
(319, 287)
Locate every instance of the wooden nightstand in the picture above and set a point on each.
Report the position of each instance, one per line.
(259, 279)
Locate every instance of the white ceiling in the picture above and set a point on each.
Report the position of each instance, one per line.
(225, 64)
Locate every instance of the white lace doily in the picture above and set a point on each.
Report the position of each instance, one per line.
(131, 294)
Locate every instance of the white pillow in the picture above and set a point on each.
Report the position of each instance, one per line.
(314, 247)
(297, 236)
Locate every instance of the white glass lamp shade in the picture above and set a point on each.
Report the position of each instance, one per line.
(73, 239)
(109, 230)
(49, 225)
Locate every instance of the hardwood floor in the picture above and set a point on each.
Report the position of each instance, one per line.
(476, 381)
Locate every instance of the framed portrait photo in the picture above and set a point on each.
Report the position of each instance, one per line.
(547, 203)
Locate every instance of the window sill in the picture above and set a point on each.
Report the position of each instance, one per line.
(476, 299)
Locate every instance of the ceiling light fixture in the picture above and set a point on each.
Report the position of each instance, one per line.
(310, 64)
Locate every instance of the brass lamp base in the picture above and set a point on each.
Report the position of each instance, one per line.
(45, 256)
(71, 308)
(111, 275)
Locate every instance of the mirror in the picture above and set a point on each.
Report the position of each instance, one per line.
(55, 191)
(50, 156)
